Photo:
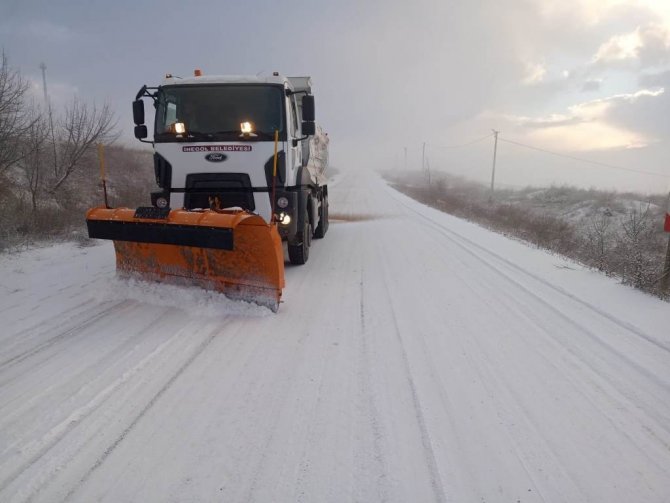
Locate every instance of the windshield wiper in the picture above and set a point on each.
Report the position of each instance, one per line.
(198, 134)
(267, 136)
(229, 131)
(255, 135)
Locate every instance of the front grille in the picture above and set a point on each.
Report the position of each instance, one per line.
(232, 189)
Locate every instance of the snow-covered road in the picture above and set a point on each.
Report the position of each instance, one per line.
(416, 358)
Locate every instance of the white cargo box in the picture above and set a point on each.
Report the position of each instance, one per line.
(301, 84)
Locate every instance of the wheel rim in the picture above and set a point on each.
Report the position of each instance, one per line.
(309, 235)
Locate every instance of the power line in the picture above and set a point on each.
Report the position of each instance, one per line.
(43, 67)
(462, 145)
(495, 151)
(580, 159)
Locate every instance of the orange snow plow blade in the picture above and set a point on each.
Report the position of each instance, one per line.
(230, 251)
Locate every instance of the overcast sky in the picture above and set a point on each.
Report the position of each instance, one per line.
(586, 78)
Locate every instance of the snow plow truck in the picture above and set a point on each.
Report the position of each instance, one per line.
(240, 167)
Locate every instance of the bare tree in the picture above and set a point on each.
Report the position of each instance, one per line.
(75, 137)
(15, 114)
(598, 240)
(635, 242)
(32, 150)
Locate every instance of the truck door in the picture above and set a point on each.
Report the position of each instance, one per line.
(296, 152)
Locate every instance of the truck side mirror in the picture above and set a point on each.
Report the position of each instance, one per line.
(140, 132)
(308, 128)
(138, 112)
(308, 108)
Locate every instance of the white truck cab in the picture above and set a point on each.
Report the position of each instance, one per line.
(214, 147)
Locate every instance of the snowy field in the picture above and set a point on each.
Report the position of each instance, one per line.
(416, 358)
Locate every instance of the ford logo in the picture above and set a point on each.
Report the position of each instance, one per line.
(216, 157)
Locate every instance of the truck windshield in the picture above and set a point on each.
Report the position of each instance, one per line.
(217, 112)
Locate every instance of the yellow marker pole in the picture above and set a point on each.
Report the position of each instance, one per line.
(101, 158)
(274, 176)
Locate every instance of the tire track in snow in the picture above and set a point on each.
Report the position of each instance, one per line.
(622, 398)
(450, 234)
(275, 411)
(460, 452)
(612, 399)
(618, 397)
(603, 386)
(115, 355)
(470, 248)
(50, 323)
(365, 379)
(496, 384)
(584, 381)
(70, 332)
(572, 322)
(78, 416)
(429, 452)
(304, 465)
(156, 397)
(19, 297)
(77, 288)
(13, 294)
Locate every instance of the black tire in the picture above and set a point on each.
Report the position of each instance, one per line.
(322, 228)
(298, 254)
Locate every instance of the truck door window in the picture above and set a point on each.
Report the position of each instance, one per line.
(171, 113)
(166, 114)
(294, 116)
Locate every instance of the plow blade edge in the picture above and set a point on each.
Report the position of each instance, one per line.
(232, 252)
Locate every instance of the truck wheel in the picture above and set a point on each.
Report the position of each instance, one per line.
(321, 229)
(298, 254)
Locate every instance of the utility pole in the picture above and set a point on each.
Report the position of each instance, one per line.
(47, 108)
(428, 169)
(495, 152)
(43, 67)
(423, 158)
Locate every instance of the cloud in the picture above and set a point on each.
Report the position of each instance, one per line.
(588, 136)
(599, 107)
(591, 85)
(534, 74)
(647, 113)
(661, 79)
(592, 13)
(645, 47)
(50, 31)
(40, 30)
(612, 122)
(619, 48)
(553, 120)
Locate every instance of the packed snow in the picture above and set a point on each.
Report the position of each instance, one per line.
(416, 357)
